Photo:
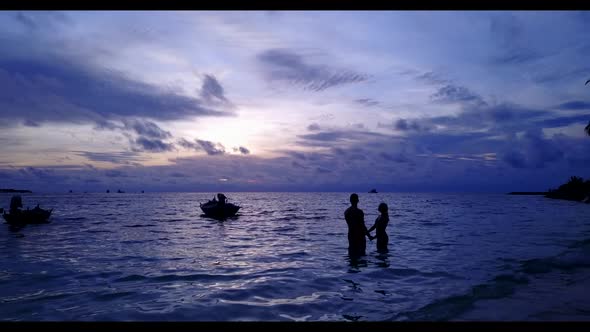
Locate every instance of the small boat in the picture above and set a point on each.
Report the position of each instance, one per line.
(34, 216)
(373, 191)
(215, 210)
(219, 209)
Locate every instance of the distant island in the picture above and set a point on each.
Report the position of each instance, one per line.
(20, 191)
(576, 189)
(528, 193)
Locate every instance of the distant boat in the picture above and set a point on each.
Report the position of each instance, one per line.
(120, 191)
(373, 191)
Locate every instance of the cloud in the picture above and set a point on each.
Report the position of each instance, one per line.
(124, 158)
(575, 105)
(31, 123)
(212, 91)
(211, 148)
(189, 145)
(562, 121)
(367, 102)
(147, 129)
(288, 66)
(152, 145)
(328, 137)
(53, 89)
(42, 20)
(405, 125)
(456, 94)
(244, 150)
(430, 78)
(313, 127)
(532, 151)
(509, 33)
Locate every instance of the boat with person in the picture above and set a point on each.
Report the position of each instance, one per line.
(373, 191)
(219, 208)
(16, 216)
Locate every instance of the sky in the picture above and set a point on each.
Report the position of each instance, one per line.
(426, 101)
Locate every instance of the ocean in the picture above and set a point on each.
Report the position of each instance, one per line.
(155, 257)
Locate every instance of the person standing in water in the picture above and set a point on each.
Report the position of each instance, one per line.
(380, 224)
(355, 219)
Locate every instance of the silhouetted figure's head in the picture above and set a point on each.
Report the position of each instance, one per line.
(383, 208)
(16, 202)
(354, 199)
(221, 198)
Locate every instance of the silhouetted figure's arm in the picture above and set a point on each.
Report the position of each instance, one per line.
(364, 226)
(372, 228)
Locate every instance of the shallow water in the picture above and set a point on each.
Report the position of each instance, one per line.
(154, 256)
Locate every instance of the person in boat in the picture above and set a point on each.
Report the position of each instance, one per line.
(355, 219)
(221, 197)
(380, 225)
(16, 202)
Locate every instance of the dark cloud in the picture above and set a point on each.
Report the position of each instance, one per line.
(152, 145)
(295, 154)
(26, 20)
(455, 94)
(125, 157)
(64, 90)
(323, 170)
(244, 150)
(431, 78)
(31, 123)
(405, 125)
(107, 125)
(532, 150)
(512, 46)
(286, 65)
(575, 105)
(399, 157)
(367, 102)
(147, 129)
(42, 20)
(563, 121)
(313, 127)
(211, 90)
(339, 135)
(189, 145)
(211, 148)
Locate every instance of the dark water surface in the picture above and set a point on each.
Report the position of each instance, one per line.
(154, 257)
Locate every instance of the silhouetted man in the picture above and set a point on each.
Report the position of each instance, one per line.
(355, 219)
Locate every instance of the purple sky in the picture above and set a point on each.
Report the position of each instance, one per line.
(294, 101)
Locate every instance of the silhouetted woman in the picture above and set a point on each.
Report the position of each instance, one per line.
(380, 224)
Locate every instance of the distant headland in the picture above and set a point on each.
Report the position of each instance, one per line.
(576, 189)
(528, 193)
(21, 191)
